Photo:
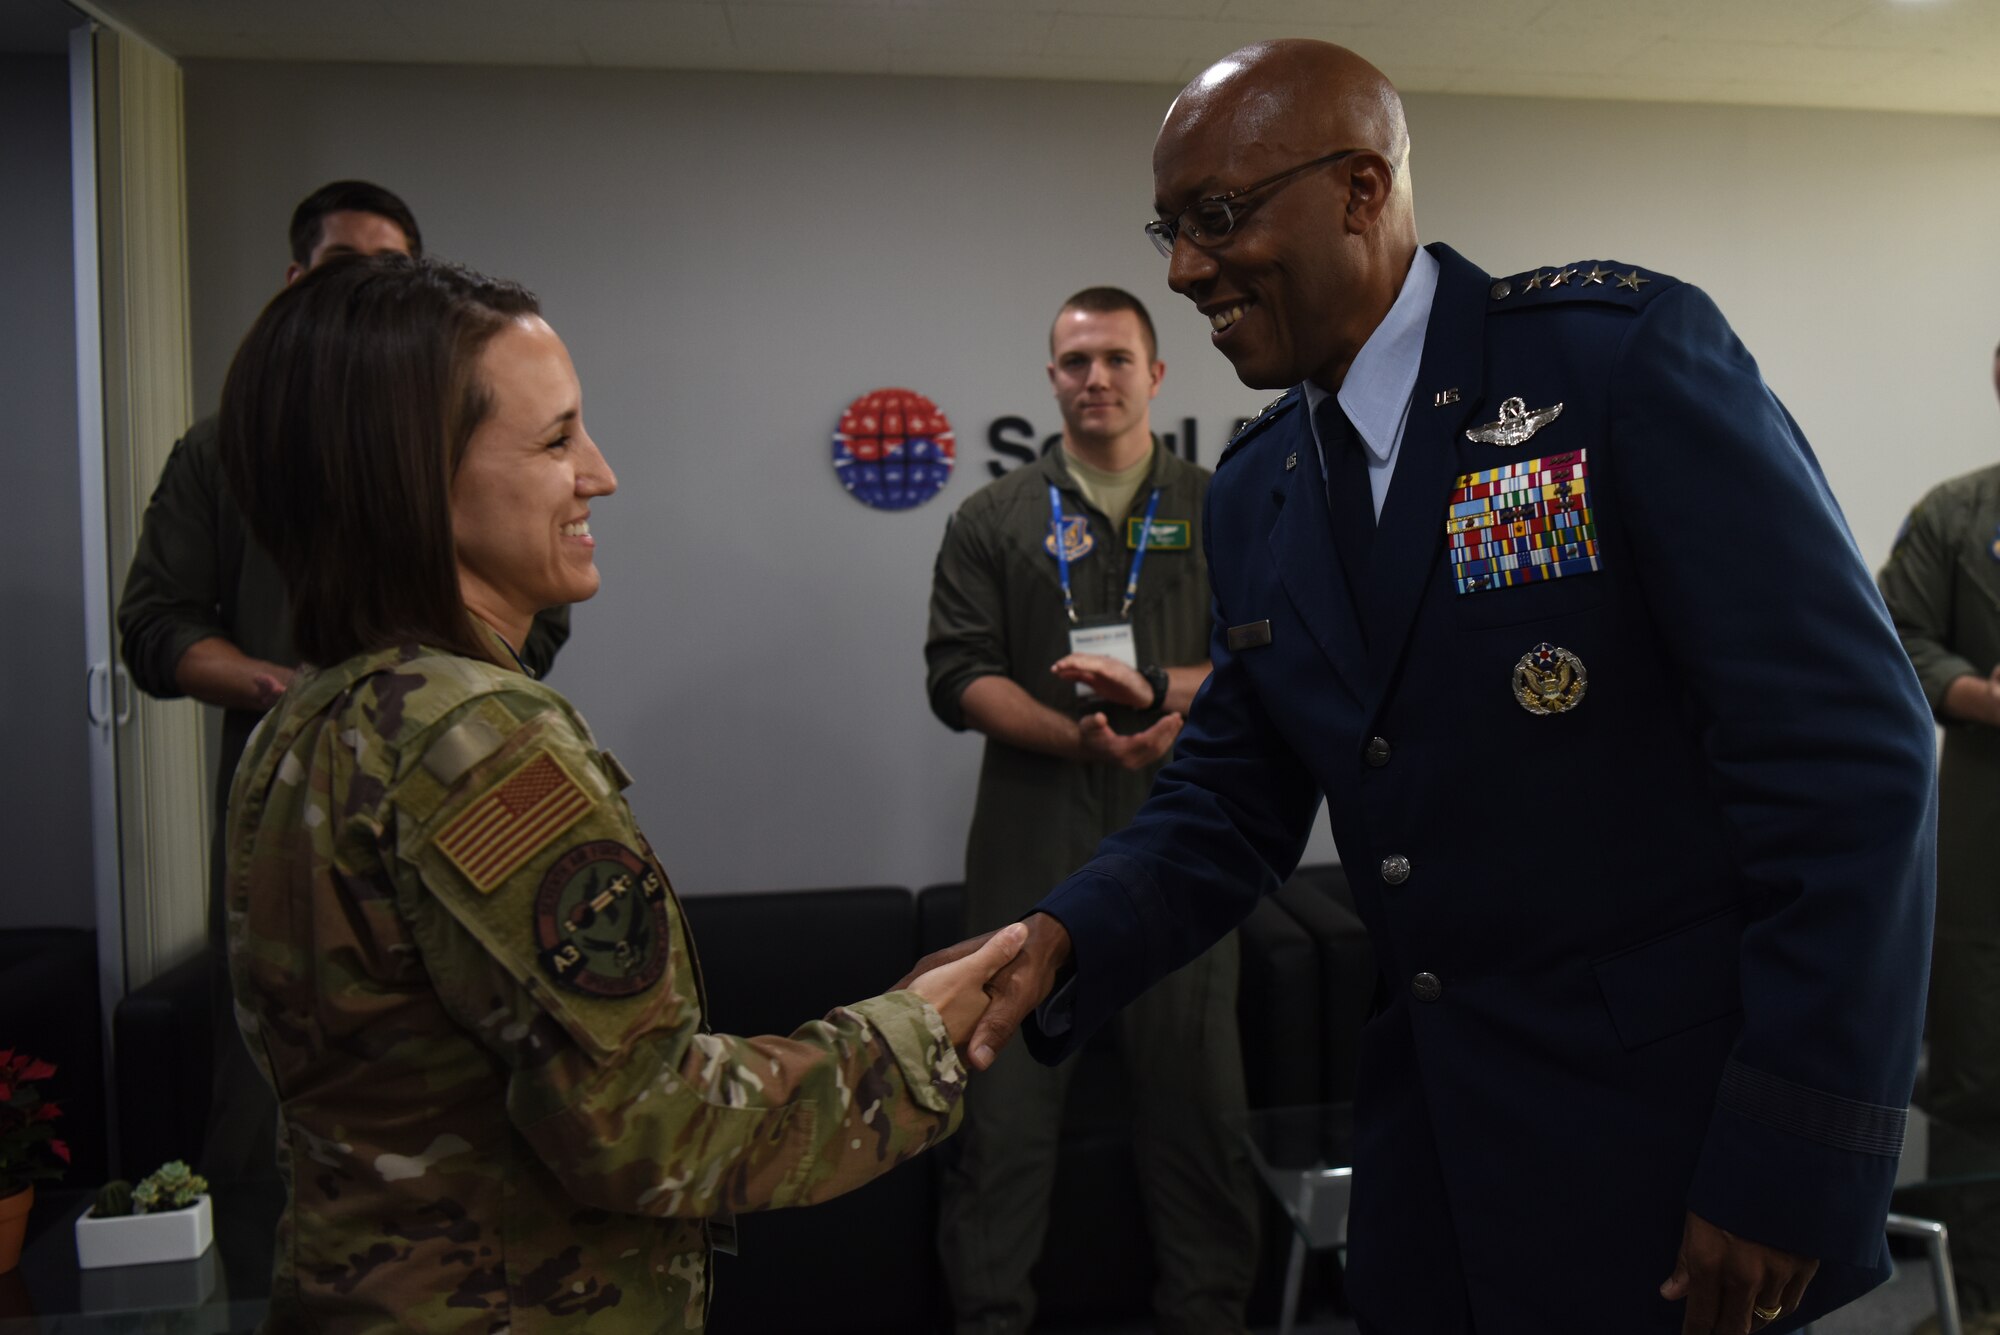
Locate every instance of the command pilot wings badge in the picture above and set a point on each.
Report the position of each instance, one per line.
(1516, 424)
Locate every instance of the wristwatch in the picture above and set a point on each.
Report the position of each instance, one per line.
(1156, 677)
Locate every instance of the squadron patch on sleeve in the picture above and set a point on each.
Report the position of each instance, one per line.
(513, 820)
(601, 921)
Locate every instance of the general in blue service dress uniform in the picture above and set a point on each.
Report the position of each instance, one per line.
(1635, 787)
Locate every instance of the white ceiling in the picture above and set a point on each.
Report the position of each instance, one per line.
(1907, 55)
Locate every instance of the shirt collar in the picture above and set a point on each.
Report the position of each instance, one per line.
(1376, 393)
(1055, 466)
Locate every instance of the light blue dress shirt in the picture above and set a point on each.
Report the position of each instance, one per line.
(1376, 393)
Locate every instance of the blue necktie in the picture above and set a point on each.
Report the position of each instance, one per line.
(1349, 495)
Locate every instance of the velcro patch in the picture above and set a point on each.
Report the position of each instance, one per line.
(601, 921)
(513, 820)
(1168, 535)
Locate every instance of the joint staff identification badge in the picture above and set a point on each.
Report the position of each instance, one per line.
(1550, 680)
(1523, 523)
(600, 921)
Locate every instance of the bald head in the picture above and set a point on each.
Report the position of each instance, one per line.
(1297, 86)
(1307, 145)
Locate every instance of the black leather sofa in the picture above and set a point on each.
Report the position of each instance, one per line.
(866, 1262)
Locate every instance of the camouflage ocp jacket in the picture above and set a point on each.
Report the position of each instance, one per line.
(463, 970)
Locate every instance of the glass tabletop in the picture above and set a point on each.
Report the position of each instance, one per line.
(1304, 1156)
(225, 1289)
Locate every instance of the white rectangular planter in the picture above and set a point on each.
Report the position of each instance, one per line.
(144, 1239)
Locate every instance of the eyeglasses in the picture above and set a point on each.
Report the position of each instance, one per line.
(1208, 222)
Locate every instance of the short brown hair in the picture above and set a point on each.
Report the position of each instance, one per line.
(309, 218)
(344, 417)
(1104, 301)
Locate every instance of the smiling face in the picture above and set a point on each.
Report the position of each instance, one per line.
(1104, 374)
(1314, 260)
(520, 499)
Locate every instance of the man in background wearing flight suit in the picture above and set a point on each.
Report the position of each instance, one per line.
(1069, 616)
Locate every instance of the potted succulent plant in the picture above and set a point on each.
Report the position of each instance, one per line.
(165, 1218)
(29, 1150)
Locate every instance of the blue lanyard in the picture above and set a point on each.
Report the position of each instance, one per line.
(1062, 551)
(1138, 556)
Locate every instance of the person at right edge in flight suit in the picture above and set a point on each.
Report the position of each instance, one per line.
(1534, 579)
(1942, 584)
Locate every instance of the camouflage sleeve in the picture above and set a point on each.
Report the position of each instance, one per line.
(1916, 584)
(550, 931)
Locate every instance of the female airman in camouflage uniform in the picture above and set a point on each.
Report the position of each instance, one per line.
(455, 956)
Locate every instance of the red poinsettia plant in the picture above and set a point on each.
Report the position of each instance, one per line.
(29, 1149)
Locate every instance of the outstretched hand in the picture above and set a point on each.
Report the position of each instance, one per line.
(1021, 981)
(1136, 750)
(1733, 1286)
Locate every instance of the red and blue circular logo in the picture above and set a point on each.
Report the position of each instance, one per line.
(893, 449)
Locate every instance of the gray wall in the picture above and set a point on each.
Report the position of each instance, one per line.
(45, 817)
(733, 257)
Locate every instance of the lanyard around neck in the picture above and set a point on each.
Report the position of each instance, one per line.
(1061, 544)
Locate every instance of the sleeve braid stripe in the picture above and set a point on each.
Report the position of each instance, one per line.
(1813, 1114)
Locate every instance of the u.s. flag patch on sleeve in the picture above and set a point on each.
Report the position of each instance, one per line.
(512, 821)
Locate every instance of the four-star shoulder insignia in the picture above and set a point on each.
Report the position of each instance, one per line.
(1542, 283)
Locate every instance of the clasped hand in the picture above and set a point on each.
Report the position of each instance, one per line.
(1015, 969)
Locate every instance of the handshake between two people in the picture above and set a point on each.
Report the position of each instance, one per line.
(985, 986)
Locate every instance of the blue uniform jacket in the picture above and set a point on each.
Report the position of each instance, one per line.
(1663, 951)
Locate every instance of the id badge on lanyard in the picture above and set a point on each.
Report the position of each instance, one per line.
(1113, 639)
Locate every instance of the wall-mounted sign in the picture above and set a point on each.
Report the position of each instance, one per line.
(1014, 438)
(893, 449)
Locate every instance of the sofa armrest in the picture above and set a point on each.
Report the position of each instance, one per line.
(163, 1036)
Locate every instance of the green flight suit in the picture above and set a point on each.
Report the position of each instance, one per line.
(463, 970)
(997, 610)
(1942, 585)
